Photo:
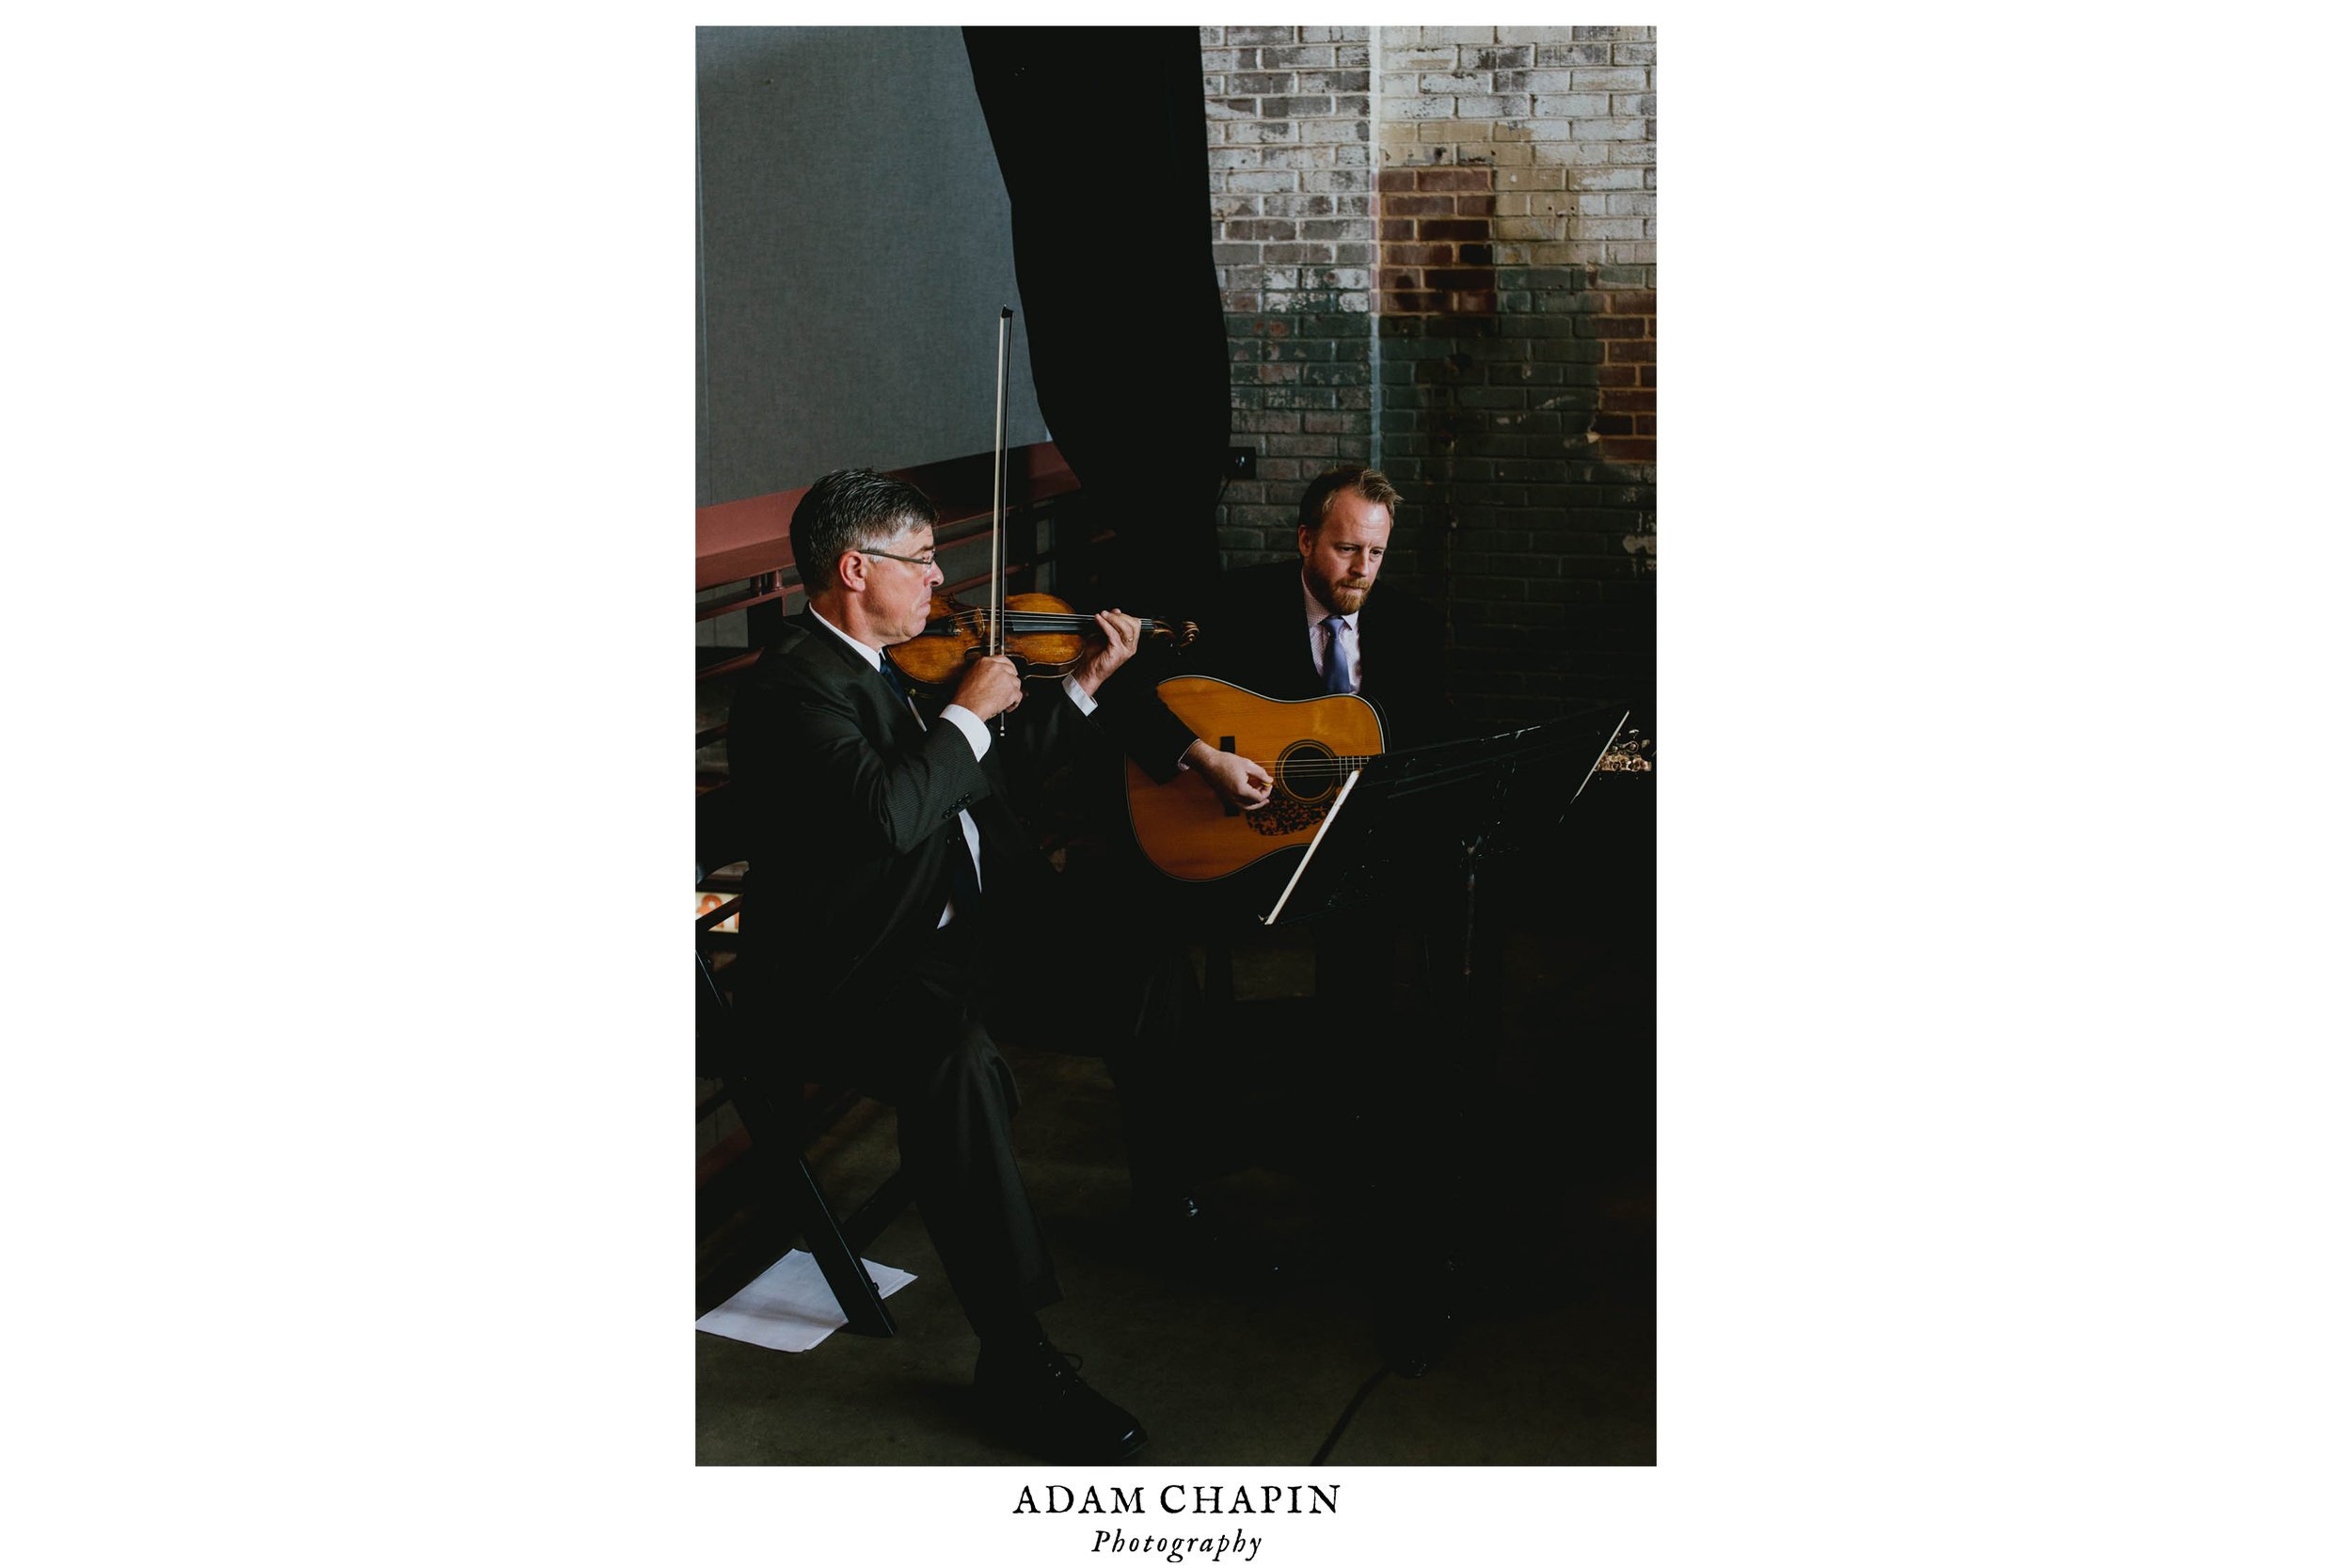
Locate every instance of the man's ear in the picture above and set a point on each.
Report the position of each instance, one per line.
(1306, 542)
(848, 572)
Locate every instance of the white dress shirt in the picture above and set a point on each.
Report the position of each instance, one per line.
(973, 728)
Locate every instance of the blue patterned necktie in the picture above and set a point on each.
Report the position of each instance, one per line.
(1337, 676)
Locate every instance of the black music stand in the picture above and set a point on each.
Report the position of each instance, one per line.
(1396, 829)
(1458, 803)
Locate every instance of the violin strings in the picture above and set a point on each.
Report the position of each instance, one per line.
(1020, 620)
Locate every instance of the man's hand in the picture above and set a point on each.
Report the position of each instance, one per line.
(1238, 780)
(1119, 635)
(990, 687)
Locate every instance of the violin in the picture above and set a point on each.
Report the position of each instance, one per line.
(1041, 633)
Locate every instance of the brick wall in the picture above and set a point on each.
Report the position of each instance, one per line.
(1438, 250)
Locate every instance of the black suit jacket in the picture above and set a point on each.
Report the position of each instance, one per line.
(1253, 633)
(850, 810)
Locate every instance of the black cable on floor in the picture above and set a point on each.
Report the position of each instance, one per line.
(1346, 1415)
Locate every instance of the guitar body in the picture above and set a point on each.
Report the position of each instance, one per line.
(1309, 746)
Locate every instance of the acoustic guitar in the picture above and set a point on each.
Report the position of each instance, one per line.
(1309, 746)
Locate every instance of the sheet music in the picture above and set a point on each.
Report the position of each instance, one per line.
(790, 1307)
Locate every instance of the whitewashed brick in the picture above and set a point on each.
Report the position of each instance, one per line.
(1574, 105)
(1501, 106)
(1458, 35)
(1426, 107)
(1607, 129)
(1612, 79)
(1639, 202)
(1530, 178)
(1457, 81)
(1533, 81)
(1439, 58)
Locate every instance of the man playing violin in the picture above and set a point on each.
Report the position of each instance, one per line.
(885, 854)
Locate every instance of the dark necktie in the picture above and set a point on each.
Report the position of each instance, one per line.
(1337, 676)
(964, 878)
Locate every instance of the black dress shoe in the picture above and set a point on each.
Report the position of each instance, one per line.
(1032, 1394)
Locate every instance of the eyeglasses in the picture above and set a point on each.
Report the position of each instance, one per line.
(925, 562)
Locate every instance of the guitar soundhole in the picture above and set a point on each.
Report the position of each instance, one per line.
(1304, 780)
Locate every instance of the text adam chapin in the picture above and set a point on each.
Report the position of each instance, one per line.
(1178, 1498)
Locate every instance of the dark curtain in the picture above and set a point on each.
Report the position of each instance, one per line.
(1101, 136)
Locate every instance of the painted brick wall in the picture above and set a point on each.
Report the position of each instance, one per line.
(1290, 189)
(1438, 250)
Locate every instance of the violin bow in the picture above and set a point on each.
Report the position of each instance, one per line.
(996, 534)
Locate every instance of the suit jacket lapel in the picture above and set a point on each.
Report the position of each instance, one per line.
(869, 684)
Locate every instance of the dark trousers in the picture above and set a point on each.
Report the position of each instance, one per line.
(923, 1047)
(919, 1045)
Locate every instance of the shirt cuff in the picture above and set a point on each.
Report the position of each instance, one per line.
(1078, 695)
(975, 730)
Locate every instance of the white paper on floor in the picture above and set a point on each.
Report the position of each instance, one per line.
(790, 1307)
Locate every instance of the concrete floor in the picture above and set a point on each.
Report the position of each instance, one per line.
(1524, 1155)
